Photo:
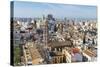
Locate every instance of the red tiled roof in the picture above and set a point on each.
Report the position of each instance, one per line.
(75, 50)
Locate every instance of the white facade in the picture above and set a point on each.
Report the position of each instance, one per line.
(68, 56)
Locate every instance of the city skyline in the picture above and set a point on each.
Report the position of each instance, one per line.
(36, 9)
(45, 33)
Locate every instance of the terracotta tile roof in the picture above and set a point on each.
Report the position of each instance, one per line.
(34, 54)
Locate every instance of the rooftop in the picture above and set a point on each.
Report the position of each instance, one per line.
(89, 53)
(54, 44)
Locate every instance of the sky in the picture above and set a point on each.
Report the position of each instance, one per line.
(36, 9)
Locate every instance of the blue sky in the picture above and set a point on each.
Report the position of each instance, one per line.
(35, 9)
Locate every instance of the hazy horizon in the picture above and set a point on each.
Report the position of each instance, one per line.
(37, 9)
